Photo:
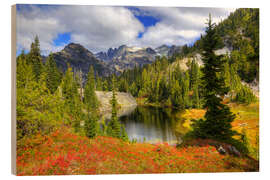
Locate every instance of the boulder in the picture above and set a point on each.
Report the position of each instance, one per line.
(127, 103)
(221, 150)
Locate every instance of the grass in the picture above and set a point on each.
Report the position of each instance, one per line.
(63, 153)
(247, 119)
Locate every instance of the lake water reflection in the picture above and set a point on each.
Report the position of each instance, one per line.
(152, 125)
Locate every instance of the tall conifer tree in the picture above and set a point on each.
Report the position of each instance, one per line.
(90, 98)
(91, 102)
(53, 76)
(218, 118)
(35, 58)
(114, 127)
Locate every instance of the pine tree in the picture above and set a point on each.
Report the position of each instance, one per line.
(90, 98)
(123, 86)
(185, 87)
(69, 88)
(105, 85)
(91, 125)
(53, 76)
(91, 102)
(124, 136)
(23, 71)
(226, 72)
(133, 89)
(76, 106)
(245, 95)
(35, 58)
(80, 80)
(194, 84)
(99, 83)
(218, 117)
(114, 126)
(145, 83)
(176, 95)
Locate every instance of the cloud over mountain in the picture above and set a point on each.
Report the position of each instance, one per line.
(100, 27)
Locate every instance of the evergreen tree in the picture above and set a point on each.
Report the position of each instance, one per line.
(245, 95)
(99, 83)
(195, 97)
(79, 76)
(194, 83)
(154, 94)
(124, 136)
(145, 83)
(218, 118)
(35, 58)
(69, 88)
(76, 106)
(91, 102)
(23, 71)
(226, 72)
(114, 126)
(238, 91)
(176, 95)
(91, 125)
(133, 89)
(185, 87)
(105, 85)
(123, 86)
(53, 76)
(90, 98)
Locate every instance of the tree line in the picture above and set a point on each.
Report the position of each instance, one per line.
(164, 83)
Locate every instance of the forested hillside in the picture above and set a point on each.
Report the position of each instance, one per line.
(240, 34)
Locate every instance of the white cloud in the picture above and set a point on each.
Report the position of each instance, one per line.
(178, 25)
(95, 27)
(99, 27)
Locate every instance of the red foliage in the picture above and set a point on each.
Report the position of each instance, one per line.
(63, 152)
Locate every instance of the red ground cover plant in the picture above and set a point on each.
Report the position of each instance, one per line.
(63, 152)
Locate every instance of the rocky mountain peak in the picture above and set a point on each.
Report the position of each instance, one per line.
(80, 59)
(76, 48)
(150, 50)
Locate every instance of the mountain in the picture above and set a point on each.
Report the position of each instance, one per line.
(125, 57)
(163, 50)
(124, 51)
(79, 58)
(174, 49)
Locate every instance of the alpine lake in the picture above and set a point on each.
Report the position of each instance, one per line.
(154, 125)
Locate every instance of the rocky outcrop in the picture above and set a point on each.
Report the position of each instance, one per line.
(126, 102)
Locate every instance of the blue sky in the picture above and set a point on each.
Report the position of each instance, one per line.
(62, 38)
(147, 21)
(101, 27)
